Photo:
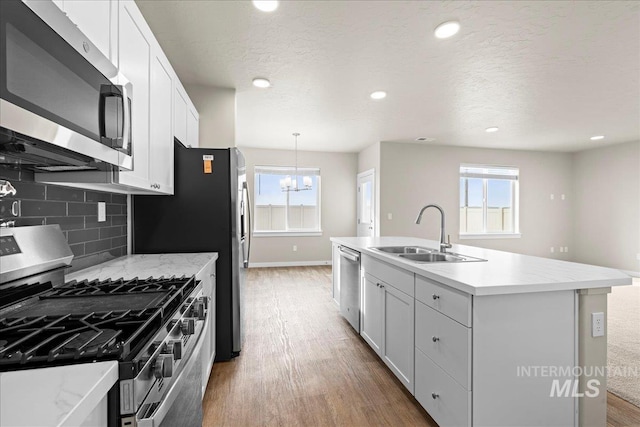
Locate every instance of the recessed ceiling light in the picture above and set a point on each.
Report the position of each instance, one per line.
(491, 129)
(597, 137)
(425, 139)
(261, 82)
(447, 29)
(266, 5)
(380, 94)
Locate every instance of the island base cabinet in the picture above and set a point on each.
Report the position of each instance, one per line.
(371, 313)
(448, 403)
(398, 334)
(387, 325)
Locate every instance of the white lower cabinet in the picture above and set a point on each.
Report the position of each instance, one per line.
(387, 322)
(448, 403)
(207, 276)
(371, 313)
(397, 334)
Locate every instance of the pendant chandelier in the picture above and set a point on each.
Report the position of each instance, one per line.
(291, 183)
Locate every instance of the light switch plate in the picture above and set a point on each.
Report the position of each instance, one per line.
(102, 211)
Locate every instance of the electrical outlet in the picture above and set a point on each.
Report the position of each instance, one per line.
(102, 211)
(553, 249)
(638, 256)
(566, 248)
(597, 324)
(389, 216)
(561, 249)
(552, 197)
(562, 196)
(295, 248)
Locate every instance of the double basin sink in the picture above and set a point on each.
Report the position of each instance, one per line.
(420, 254)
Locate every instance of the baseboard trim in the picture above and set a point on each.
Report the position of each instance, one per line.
(288, 264)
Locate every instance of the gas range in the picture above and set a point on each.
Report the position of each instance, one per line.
(152, 327)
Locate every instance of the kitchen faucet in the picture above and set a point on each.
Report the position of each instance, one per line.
(443, 245)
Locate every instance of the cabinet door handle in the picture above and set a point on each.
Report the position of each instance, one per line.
(435, 339)
(381, 286)
(434, 296)
(378, 284)
(435, 395)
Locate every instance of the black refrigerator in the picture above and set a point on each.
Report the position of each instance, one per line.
(209, 212)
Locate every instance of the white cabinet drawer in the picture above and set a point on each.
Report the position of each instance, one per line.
(443, 398)
(396, 277)
(446, 300)
(446, 342)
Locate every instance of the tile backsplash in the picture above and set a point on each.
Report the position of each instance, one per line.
(75, 210)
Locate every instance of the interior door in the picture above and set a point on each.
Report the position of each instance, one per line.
(366, 204)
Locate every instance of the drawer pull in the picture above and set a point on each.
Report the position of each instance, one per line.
(434, 296)
(435, 339)
(435, 395)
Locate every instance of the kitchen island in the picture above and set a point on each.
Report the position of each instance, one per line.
(501, 342)
(78, 394)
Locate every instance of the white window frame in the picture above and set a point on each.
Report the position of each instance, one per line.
(486, 172)
(284, 171)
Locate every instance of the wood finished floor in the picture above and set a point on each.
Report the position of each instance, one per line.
(303, 365)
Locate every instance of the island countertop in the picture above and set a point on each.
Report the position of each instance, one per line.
(146, 265)
(502, 273)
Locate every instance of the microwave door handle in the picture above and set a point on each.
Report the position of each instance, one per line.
(126, 112)
(109, 91)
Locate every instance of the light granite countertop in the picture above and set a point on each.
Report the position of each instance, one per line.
(58, 396)
(502, 273)
(145, 266)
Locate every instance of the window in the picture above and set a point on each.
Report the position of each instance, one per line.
(291, 212)
(488, 201)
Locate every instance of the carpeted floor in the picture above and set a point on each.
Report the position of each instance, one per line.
(624, 342)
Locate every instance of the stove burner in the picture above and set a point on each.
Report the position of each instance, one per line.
(88, 321)
(91, 340)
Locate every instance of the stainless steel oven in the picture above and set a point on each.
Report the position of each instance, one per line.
(154, 328)
(62, 101)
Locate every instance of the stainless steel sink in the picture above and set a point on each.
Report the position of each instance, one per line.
(405, 250)
(421, 254)
(434, 257)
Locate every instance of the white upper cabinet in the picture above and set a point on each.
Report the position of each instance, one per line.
(135, 59)
(180, 114)
(193, 128)
(98, 20)
(186, 128)
(161, 155)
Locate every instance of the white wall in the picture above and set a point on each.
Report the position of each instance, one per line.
(607, 206)
(413, 175)
(217, 109)
(338, 204)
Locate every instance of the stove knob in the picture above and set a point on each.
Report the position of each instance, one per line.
(174, 348)
(205, 301)
(198, 310)
(163, 366)
(188, 326)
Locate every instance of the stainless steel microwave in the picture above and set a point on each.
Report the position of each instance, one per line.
(64, 106)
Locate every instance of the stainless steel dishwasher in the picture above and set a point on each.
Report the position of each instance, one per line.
(350, 286)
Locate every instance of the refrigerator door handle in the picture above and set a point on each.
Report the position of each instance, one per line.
(248, 228)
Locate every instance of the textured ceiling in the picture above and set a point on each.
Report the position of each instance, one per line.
(549, 74)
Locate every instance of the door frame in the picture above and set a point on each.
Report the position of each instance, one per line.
(366, 174)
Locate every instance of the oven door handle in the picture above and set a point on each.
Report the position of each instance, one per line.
(161, 412)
